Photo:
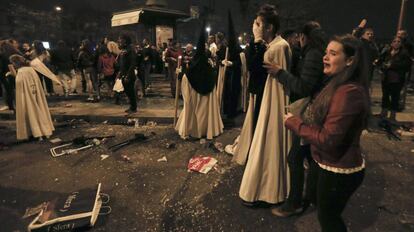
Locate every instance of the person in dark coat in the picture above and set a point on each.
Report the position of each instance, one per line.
(147, 61)
(366, 35)
(7, 81)
(395, 63)
(86, 63)
(63, 60)
(306, 84)
(127, 64)
(333, 125)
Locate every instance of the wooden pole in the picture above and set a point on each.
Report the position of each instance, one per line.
(224, 76)
(402, 12)
(177, 91)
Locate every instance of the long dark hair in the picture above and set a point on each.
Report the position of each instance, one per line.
(7, 49)
(270, 16)
(314, 34)
(357, 72)
(38, 47)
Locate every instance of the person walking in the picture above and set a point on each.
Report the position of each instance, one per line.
(86, 63)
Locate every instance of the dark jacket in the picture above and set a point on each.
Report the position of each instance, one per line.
(127, 64)
(337, 142)
(62, 59)
(310, 77)
(85, 60)
(399, 65)
(258, 74)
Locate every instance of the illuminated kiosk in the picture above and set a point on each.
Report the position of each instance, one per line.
(154, 21)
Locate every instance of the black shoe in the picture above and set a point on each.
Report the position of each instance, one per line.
(286, 210)
(255, 204)
(131, 111)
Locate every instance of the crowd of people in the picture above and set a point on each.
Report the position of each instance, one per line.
(306, 97)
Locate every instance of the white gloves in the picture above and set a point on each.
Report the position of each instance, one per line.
(226, 63)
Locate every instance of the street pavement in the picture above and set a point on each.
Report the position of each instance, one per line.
(147, 195)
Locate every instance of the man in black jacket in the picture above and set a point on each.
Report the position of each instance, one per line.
(307, 82)
(127, 64)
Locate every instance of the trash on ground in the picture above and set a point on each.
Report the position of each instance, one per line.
(34, 210)
(104, 157)
(126, 158)
(170, 145)
(151, 124)
(407, 219)
(84, 142)
(137, 138)
(219, 169)
(105, 122)
(68, 105)
(55, 140)
(219, 146)
(203, 141)
(163, 159)
(201, 164)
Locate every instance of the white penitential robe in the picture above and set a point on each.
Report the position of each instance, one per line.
(266, 177)
(220, 84)
(200, 116)
(32, 112)
(244, 95)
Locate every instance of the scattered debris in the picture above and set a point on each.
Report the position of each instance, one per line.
(201, 164)
(219, 169)
(34, 210)
(406, 219)
(126, 158)
(104, 157)
(151, 124)
(170, 145)
(219, 146)
(105, 122)
(203, 141)
(55, 140)
(68, 105)
(163, 159)
(138, 137)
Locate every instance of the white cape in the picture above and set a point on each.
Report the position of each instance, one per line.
(200, 116)
(266, 176)
(32, 112)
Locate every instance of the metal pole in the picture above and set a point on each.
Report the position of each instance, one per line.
(402, 11)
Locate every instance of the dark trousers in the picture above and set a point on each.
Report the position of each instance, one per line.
(129, 88)
(333, 191)
(8, 93)
(391, 93)
(297, 155)
(46, 82)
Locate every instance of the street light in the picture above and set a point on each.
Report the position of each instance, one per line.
(208, 29)
(58, 8)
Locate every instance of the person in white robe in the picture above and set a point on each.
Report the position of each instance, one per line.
(200, 116)
(266, 176)
(32, 112)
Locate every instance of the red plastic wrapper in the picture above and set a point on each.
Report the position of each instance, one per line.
(201, 164)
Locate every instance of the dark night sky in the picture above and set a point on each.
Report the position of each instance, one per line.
(336, 16)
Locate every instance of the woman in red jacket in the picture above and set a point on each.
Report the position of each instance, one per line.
(332, 124)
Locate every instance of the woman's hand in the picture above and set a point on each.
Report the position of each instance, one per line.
(286, 117)
(257, 31)
(272, 68)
